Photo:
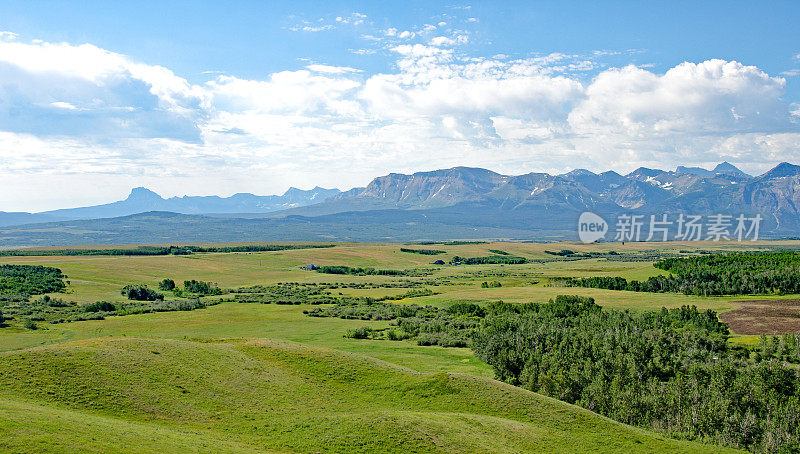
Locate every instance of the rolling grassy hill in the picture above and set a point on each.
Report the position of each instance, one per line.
(237, 395)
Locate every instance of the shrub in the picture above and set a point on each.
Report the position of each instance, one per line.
(29, 324)
(201, 287)
(359, 333)
(100, 306)
(396, 335)
(2, 319)
(141, 293)
(166, 285)
(466, 309)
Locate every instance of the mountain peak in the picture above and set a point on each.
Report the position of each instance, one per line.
(644, 173)
(727, 168)
(141, 194)
(783, 169)
(580, 173)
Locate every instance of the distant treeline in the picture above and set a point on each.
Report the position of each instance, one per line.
(489, 260)
(312, 293)
(448, 243)
(422, 251)
(359, 271)
(498, 251)
(716, 274)
(19, 282)
(161, 250)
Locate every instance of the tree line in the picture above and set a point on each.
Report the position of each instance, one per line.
(718, 274)
(161, 250)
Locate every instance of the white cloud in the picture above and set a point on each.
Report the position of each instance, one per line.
(118, 97)
(714, 96)
(63, 105)
(355, 18)
(332, 69)
(441, 41)
(101, 116)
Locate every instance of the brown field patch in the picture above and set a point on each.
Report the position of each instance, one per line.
(764, 317)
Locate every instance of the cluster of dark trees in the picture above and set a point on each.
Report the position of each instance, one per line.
(717, 274)
(191, 287)
(316, 294)
(54, 310)
(498, 252)
(19, 282)
(489, 260)
(289, 293)
(671, 370)
(161, 250)
(141, 293)
(422, 251)
(201, 288)
(359, 271)
(427, 325)
(100, 306)
(492, 284)
(166, 285)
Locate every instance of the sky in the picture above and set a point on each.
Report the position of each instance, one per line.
(216, 98)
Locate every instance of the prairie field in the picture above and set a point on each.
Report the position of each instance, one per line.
(249, 377)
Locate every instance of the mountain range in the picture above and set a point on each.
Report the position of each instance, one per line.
(460, 202)
(142, 200)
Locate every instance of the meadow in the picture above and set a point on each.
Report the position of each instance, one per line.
(250, 377)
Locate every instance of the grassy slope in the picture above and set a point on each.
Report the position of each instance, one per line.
(274, 395)
(253, 321)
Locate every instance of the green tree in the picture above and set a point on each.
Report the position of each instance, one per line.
(166, 285)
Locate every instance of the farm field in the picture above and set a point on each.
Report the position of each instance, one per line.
(251, 377)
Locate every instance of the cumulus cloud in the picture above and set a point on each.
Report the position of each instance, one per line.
(85, 113)
(714, 96)
(115, 95)
(442, 41)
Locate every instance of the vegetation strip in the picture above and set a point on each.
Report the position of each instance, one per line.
(717, 274)
(157, 250)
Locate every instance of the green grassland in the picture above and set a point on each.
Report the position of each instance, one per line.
(240, 395)
(253, 377)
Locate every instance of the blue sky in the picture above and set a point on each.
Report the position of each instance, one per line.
(226, 97)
